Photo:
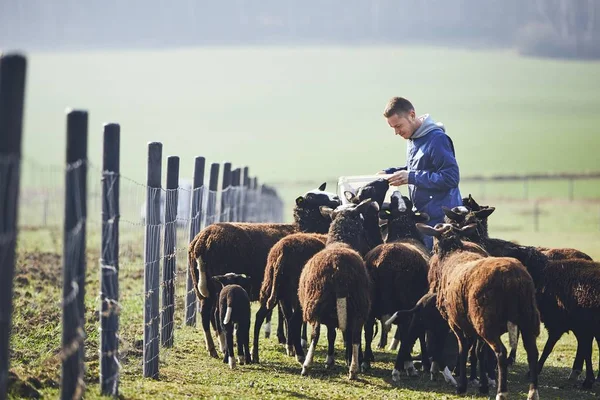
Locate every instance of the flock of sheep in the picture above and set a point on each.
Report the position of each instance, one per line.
(345, 266)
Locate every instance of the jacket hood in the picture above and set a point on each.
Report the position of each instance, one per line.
(427, 126)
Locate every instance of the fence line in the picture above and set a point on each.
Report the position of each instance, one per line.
(105, 204)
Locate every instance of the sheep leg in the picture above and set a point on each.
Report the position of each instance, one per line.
(287, 315)
(355, 336)
(294, 327)
(382, 338)
(403, 359)
(268, 317)
(396, 341)
(244, 338)
(532, 354)
(239, 335)
(280, 326)
(206, 312)
(304, 340)
(553, 337)
(500, 350)
(229, 337)
(463, 353)
(260, 317)
(473, 359)
(584, 340)
(331, 335)
(314, 338)
(513, 335)
(366, 364)
(480, 348)
(577, 364)
(425, 362)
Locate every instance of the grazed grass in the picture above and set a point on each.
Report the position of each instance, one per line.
(186, 370)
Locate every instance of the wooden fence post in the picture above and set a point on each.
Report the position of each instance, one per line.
(74, 262)
(225, 212)
(195, 226)
(169, 252)
(13, 68)
(109, 263)
(152, 260)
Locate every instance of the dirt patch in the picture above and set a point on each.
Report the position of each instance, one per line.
(39, 267)
(21, 388)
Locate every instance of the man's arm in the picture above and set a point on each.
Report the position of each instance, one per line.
(445, 174)
(391, 170)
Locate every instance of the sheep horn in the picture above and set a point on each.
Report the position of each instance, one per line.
(323, 186)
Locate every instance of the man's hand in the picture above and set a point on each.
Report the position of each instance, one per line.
(398, 178)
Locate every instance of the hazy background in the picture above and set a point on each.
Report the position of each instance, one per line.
(295, 89)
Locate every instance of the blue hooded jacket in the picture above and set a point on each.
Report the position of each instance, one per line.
(433, 171)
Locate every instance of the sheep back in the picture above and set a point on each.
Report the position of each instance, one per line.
(481, 296)
(563, 253)
(240, 248)
(399, 275)
(335, 272)
(285, 263)
(574, 284)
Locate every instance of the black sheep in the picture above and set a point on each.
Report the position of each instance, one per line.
(233, 309)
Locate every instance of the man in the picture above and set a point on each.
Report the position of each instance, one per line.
(431, 170)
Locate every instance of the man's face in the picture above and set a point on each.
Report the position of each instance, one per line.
(403, 124)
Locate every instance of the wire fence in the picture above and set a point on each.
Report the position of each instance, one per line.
(133, 230)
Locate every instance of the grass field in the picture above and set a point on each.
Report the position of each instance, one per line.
(296, 114)
(186, 371)
(314, 113)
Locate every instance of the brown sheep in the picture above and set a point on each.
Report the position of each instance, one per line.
(243, 248)
(398, 267)
(282, 274)
(286, 260)
(535, 260)
(334, 288)
(478, 296)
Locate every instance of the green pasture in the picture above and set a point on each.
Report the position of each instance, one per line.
(186, 370)
(312, 114)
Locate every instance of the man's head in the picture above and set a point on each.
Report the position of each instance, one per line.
(400, 115)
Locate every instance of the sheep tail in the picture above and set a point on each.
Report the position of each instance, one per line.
(342, 312)
(227, 315)
(276, 270)
(401, 313)
(202, 281)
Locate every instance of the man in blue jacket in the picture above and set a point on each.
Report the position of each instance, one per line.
(431, 170)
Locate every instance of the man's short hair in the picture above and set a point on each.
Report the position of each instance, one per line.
(397, 105)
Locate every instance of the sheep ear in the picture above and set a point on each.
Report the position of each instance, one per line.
(299, 200)
(323, 186)
(217, 278)
(454, 216)
(327, 212)
(428, 230)
(351, 197)
(421, 217)
(485, 212)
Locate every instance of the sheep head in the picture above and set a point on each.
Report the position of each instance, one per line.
(446, 237)
(375, 190)
(306, 211)
(231, 278)
(401, 218)
(351, 223)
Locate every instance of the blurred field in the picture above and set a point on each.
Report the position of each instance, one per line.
(297, 117)
(314, 113)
